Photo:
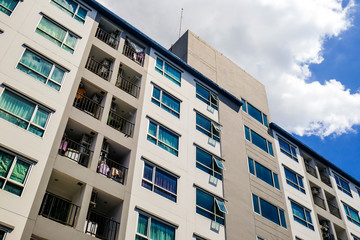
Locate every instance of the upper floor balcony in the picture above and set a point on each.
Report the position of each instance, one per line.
(134, 51)
(332, 204)
(128, 80)
(100, 63)
(121, 117)
(310, 166)
(317, 196)
(324, 174)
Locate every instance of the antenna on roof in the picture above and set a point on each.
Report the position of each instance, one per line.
(182, 10)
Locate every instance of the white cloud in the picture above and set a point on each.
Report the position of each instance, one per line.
(275, 41)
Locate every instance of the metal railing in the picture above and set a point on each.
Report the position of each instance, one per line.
(112, 169)
(75, 151)
(127, 86)
(334, 210)
(59, 209)
(131, 53)
(100, 226)
(325, 179)
(120, 124)
(328, 236)
(99, 69)
(88, 105)
(319, 201)
(311, 170)
(107, 38)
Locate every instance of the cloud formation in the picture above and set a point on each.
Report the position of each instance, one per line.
(275, 41)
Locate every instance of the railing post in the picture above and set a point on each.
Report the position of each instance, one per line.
(84, 203)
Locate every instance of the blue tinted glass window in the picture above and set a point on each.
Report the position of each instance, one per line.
(287, 149)
(294, 180)
(206, 206)
(276, 181)
(263, 173)
(243, 107)
(71, 8)
(168, 71)
(151, 228)
(206, 162)
(207, 127)
(269, 211)
(247, 133)
(251, 166)
(7, 7)
(265, 120)
(256, 204)
(258, 141)
(282, 218)
(302, 215)
(166, 101)
(206, 96)
(252, 111)
(163, 137)
(352, 214)
(343, 185)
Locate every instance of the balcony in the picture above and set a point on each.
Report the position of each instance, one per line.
(324, 174)
(112, 169)
(85, 103)
(110, 39)
(311, 170)
(102, 69)
(128, 80)
(58, 209)
(325, 179)
(334, 210)
(121, 117)
(134, 51)
(78, 152)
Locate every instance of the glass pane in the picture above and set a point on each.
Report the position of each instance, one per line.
(71, 41)
(41, 117)
(172, 72)
(256, 203)
(221, 206)
(263, 173)
(269, 211)
(298, 211)
(308, 216)
(53, 85)
(14, 120)
(142, 225)
(20, 171)
(170, 102)
(290, 176)
(67, 4)
(156, 93)
(161, 231)
(159, 63)
(282, 218)
(243, 106)
(204, 95)
(218, 163)
(203, 122)
(265, 120)
(276, 181)
(31, 73)
(7, 6)
(52, 29)
(254, 113)
(204, 200)
(285, 146)
(5, 163)
(1, 183)
(166, 181)
(36, 130)
(258, 141)
(152, 129)
(251, 166)
(15, 189)
(148, 172)
(36, 63)
(81, 13)
(247, 133)
(168, 138)
(16, 105)
(270, 148)
(57, 75)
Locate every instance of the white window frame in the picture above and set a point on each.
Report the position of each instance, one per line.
(158, 125)
(162, 70)
(73, 14)
(213, 96)
(291, 146)
(215, 127)
(173, 111)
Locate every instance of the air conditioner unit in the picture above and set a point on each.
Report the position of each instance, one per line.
(215, 226)
(212, 142)
(213, 180)
(315, 190)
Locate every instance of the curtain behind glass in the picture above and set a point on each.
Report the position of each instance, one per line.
(68, 4)
(170, 102)
(5, 163)
(41, 117)
(142, 225)
(172, 72)
(263, 173)
(36, 63)
(269, 211)
(53, 30)
(161, 231)
(165, 181)
(298, 211)
(168, 138)
(16, 105)
(9, 4)
(20, 171)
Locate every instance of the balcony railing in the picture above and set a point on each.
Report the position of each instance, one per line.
(131, 53)
(112, 169)
(99, 69)
(120, 124)
(325, 179)
(107, 38)
(101, 226)
(88, 105)
(328, 236)
(59, 209)
(127, 86)
(334, 210)
(319, 201)
(75, 151)
(311, 170)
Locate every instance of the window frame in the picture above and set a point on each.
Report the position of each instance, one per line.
(216, 211)
(214, 162)
(72, 14)
(355, 237)
(340, 181)
(248, 136)
(258, 210)
(150, 218)
(212, 95)
(275, 183)
(299, 179)
(292, 154)
(347, 209)
(8, 9)
(7, 178)
(165, 73)
(68, 32)
(36, 108)
(48, 78)
(215, 127)
(245, 108)
(159, 102)
(157, 140)
(154, 185)
(307, 213)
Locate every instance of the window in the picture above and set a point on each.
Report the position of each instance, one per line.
(168, 71)
(57, 34)
(152, 228)
(208, 127)
(208, 97)
(23, 112)
(263, 173)
(163, 137)
(259, 238)
(302, 215)
(254, 112)
(166, 101)
(14, 171)
(355, 237)
(287, 149)
(269, 211)
(42, 69)
(209, 163)
(160, 181)
(210, 206)
(342, 185)
(7, 7)
(198, 238)
(258, 141)
(358, 191)
(72, 8)
(352, 214)
(294, 179)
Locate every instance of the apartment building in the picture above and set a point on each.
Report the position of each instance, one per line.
(105, 134)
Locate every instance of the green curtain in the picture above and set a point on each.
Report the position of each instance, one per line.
(14, 189)
(68, 4)
(5, 163)
(41, 117)
(142, 225)
(36, 63)
(71, 40)
(20, 171)
(161, 231)
(8, 4)
(53, 30)
(17, 106)
(35, 130)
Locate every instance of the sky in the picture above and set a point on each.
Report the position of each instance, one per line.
(305, 52)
